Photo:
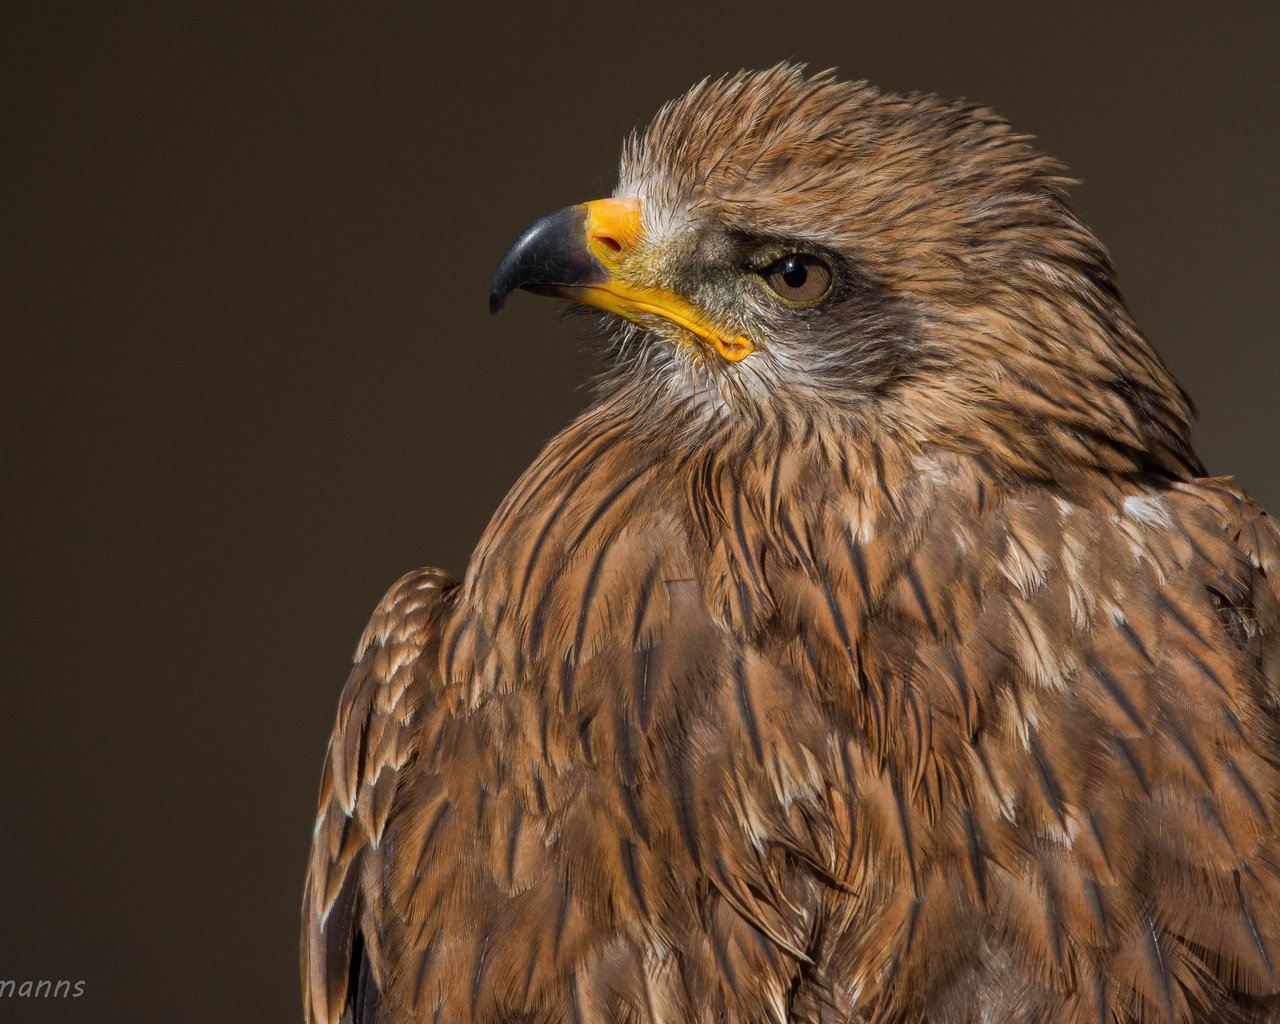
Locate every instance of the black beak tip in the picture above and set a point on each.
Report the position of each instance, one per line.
(552, 252)
(506, 279)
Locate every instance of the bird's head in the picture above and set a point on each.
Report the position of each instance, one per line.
(805, 250)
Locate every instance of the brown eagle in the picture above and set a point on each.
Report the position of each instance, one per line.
(873, 649)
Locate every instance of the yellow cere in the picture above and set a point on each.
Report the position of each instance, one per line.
(614, 228)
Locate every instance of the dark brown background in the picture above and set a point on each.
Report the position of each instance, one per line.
(249, 378)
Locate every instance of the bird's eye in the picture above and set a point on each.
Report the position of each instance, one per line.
(798, 277)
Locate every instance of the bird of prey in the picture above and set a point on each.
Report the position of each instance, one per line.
(874, 648)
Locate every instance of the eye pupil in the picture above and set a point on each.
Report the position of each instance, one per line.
(798, 278)
(794, 272)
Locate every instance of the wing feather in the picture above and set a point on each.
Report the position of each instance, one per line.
(373, 739)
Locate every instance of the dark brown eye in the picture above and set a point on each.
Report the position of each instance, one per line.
(798, 277)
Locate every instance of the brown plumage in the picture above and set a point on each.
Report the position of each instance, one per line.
(876, 656)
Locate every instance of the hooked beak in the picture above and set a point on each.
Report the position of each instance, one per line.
(580, 253)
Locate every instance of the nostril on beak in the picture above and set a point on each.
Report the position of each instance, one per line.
(609, 243)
